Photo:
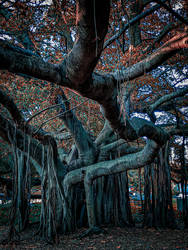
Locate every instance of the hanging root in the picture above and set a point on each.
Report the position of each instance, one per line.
(51, 196)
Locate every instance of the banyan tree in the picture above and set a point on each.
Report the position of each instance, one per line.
(88, 184)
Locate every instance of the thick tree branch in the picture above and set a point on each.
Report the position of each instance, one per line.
(36, 67)
(119, 165)
(84, 142)
(105, 134)
(76, 70)
(161, 35)
(8, 130)
(16, 61)
(131, 22)
(21, 134)
(21, 123)
(119, 147)
(180, 41)
(92, 21)
(167, 98)
(8, 103)
(131, 129)
(163, 104)
(167, 106)
(127, 162)
(105, 168)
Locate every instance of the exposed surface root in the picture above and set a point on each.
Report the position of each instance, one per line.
(92, 231)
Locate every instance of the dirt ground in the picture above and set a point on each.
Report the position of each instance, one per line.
(115, 238)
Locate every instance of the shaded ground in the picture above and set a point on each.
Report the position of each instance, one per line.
(116, 238)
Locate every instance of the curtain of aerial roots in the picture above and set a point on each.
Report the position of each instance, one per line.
(52, 201)
(158, 210)
(19, 215)
(111, 200)
(110, 203)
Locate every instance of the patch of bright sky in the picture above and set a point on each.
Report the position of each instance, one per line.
(73, 35)
(145, 90)
(163, 117)
(184, 109)
(49, 2)
(140, 115)
(182, 84)
(5, 37)
(178, 6)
